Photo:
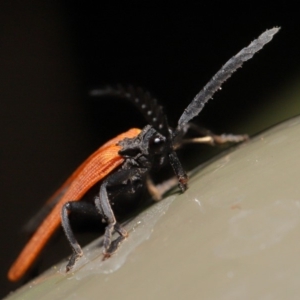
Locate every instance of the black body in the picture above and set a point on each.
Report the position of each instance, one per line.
(151, 149)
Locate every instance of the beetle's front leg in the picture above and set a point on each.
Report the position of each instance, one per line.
(104, 208)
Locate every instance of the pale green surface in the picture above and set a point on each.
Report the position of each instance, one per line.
(235, 234)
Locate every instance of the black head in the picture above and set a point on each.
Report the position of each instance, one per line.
(148, 150)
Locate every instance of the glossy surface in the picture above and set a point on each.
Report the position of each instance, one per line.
(235, 234)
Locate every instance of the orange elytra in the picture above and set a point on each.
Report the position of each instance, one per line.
(92, 170)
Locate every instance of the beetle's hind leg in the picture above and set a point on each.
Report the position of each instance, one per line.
(69, 207)
(104, 208)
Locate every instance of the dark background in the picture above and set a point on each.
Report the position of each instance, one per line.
(53, 52)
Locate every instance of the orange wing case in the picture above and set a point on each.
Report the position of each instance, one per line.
(101, 163)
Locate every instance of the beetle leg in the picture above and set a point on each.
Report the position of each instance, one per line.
(217, 139)
(115, 244)
(69, 207)
(208, 137)
(153, 190)
(157, 191)
(104, 208)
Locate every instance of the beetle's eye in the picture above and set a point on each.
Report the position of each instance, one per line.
(156, 144)
(157, 141)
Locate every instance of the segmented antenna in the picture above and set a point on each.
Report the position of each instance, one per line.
(222, 75)
(147, 105)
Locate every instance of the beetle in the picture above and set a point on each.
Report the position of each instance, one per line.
(123, 164)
